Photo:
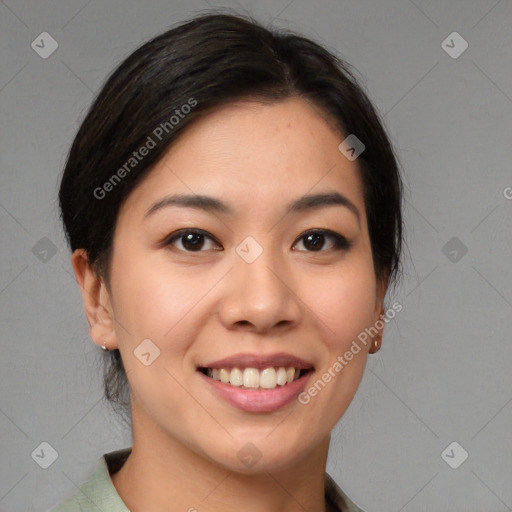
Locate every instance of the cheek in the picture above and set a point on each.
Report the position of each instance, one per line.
(346, 308)
(154, 304)
(346, 304)
(154, 300)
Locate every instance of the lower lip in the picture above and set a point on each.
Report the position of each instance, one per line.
(258, 400)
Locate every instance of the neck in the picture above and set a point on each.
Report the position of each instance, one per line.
(162, 473)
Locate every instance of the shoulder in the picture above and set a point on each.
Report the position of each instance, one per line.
(70, 505)
(337, 498)
(98, 492)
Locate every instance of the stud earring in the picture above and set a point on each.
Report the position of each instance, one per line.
(376, 345)
(104, 347)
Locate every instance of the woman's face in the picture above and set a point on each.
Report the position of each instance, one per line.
(253, 282)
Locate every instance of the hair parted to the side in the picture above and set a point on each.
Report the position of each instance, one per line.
(214, 59)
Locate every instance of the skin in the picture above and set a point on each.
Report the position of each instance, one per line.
(198, 307)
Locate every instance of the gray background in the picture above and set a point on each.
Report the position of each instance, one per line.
(443, 373)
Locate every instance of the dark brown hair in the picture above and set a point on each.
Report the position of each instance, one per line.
(213, 59)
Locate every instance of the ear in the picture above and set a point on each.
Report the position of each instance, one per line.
(379, 314)
(96, 299)
(381, 289)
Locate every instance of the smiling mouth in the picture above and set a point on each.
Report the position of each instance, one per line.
(251, 378)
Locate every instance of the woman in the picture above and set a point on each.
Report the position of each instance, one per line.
(233, 206)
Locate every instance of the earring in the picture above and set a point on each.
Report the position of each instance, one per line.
(104, 347)
(376, 345)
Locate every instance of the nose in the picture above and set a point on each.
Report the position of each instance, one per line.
(260, 297)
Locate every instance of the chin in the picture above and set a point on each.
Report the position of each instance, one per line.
(260, 454)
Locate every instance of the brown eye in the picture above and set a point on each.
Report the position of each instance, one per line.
(314, 241)
(191, 240)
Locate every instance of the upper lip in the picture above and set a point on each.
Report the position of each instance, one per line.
(260, 361)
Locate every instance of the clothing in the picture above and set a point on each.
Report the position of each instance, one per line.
(99, 494)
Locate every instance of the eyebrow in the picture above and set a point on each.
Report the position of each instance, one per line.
(211, 204)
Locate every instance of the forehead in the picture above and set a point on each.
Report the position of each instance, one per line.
(256, 155)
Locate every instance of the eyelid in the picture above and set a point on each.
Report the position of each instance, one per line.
(176, 235)
(340, 242)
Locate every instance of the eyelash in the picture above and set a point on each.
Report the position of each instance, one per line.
(340, 242)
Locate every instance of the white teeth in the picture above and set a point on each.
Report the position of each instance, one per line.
(281, 376)
(236, 378)
(268, 378)
(224, 375)
(252, 378)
